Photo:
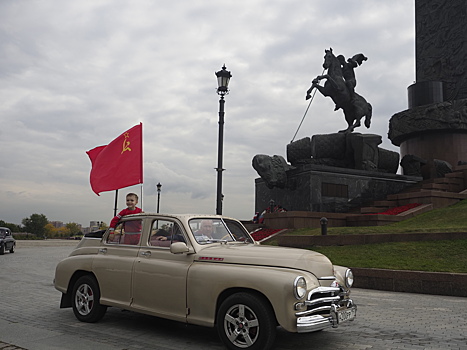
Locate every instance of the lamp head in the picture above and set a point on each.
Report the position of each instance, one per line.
(223, 78)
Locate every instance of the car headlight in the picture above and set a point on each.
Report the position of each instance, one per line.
(348, 278)
(299, 287)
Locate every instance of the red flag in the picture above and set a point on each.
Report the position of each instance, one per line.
(120, 163)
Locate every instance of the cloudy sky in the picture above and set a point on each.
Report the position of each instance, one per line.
(76, 74)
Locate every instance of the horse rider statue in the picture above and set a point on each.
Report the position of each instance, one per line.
(340, 86)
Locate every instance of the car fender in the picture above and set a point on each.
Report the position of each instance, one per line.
(67, 268)
(208, 284)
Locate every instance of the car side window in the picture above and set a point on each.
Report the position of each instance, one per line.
(127, 232)
(164, 233)
(238, 231)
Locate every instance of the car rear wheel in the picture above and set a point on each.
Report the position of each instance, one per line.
(85, 297)
(12, 249)
(246, 321)
(2, 249)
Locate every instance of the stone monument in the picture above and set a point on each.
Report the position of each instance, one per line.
(432, 132)
(333, 172)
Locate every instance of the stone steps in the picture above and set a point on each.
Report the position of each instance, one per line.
(432, 194)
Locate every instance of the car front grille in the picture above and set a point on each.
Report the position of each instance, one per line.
(320, 300)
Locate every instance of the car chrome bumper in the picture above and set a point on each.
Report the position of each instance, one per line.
(315, 323)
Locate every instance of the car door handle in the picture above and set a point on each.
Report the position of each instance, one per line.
(103, 250)
(146, 253)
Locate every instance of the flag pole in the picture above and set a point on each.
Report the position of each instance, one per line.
(116, 200)
(141, 195)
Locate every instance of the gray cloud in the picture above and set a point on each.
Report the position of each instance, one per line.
(75, 75)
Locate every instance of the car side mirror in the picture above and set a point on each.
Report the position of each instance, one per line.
(179, 248)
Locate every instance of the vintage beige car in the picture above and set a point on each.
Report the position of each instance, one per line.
(208, 271)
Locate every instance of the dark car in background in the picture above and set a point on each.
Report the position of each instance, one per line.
(7, 242)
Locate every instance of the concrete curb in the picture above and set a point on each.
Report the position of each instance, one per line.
(435, 283)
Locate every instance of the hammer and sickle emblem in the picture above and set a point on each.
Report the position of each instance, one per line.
(126, 143)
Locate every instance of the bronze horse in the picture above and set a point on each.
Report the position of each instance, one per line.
(355, 107)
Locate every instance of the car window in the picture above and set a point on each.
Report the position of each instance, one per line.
(210, 231)
(164, 233)
(238, 231)
(127, 232)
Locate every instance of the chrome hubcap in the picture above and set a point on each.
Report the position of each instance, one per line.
(84, 299)
(241, 325)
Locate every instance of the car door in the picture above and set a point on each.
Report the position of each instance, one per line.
(159, 276)
(113, 265)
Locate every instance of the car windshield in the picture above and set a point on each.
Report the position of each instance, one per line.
(3, 232)
(211, 230)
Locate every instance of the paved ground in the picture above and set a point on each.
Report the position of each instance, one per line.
(30, 317)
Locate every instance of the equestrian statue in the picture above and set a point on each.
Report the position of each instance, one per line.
(340, 86)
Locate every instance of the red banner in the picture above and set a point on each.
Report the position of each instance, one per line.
(120, 163)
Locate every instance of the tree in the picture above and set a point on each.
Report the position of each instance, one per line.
(50, 231)
(73, 228)
(62, 232)
(36, 224)
(12, 227)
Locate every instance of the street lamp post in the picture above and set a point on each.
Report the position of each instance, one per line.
(223, 78)
(159, 186)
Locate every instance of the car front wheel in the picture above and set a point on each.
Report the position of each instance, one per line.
(86, 296)
(246, 321)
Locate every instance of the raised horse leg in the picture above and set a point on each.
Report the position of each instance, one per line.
(315, 84)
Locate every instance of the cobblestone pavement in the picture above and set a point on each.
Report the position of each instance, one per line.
(30, 317)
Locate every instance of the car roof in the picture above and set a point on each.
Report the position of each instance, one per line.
(182, 217)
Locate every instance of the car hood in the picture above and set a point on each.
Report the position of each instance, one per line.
(253, 254)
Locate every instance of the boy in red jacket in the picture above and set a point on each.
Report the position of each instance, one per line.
(130, 226)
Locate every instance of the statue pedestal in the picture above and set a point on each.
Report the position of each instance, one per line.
(321, 188)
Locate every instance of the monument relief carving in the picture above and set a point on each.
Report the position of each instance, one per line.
(440, 45)
(271, 169)
(449, 115)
